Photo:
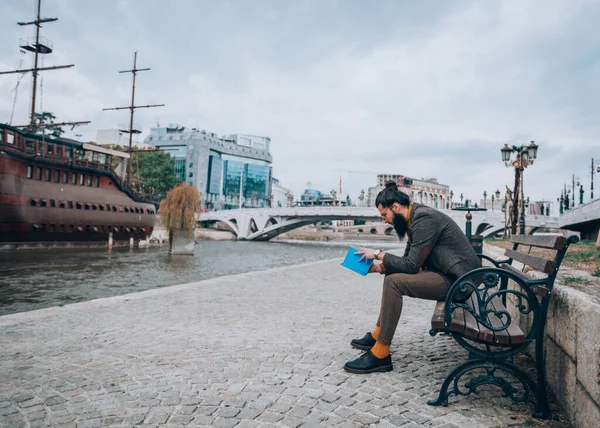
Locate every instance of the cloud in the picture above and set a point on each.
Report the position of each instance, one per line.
(402, 88)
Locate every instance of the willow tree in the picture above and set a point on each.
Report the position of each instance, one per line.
(178, 214)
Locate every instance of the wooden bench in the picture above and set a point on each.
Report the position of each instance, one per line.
(482, 311)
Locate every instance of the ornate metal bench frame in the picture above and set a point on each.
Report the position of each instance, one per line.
(497, 357)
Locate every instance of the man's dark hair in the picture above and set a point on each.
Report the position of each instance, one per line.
(391, 194)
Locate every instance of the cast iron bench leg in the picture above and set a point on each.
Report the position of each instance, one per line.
(490, 378)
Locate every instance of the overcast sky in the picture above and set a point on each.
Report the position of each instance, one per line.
(420, 88)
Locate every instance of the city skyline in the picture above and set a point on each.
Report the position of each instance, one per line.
(427, 89)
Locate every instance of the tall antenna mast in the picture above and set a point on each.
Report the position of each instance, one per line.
(38, 45)
(132, 108)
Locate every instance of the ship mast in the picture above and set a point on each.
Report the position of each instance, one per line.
(38, 46)
(132, 108)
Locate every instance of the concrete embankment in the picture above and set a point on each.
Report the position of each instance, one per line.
(572, 342)
(254, 349)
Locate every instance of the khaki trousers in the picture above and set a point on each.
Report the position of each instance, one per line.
(423, 285)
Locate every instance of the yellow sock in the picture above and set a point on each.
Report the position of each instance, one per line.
(375, 333)
(380, 350)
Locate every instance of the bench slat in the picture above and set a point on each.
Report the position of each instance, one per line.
(515, 334)
(457, 323)
(464, 323)
(537, 289)
(555, 242)
(500, 336)
(437, 320)
(484, 334)
(543, 265)
(472, 327)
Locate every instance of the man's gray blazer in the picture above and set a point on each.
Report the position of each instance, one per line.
(435, 243)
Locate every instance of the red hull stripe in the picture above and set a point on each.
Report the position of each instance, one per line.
(14, 200)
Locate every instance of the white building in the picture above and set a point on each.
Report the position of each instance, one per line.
(228, 171)
(282, 196)
(424, 191)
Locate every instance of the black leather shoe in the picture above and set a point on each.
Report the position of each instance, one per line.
(369, 363)
(365, 343)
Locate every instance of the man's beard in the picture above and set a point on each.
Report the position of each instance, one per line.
(400, 225)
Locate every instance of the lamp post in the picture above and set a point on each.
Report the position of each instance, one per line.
(525, 156)
(562, 202)
(461, 198)
(451, 196)
(497, 198)
(485, 199)
(560, 206)
(361, 198)
(574, 179)
(597, 170)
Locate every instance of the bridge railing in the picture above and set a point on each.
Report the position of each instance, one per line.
(581, 214)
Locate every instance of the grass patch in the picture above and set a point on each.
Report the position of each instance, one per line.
(582, 256)
(583, 252)
(596, 272)
(573, 279)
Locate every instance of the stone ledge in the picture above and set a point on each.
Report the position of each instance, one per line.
(572, 345)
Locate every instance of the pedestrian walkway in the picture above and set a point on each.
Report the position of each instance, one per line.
(258, 349)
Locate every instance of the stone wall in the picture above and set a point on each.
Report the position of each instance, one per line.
(571, 346)
(181, 242)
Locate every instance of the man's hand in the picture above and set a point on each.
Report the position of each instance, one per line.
(367, 254)
(376, 268)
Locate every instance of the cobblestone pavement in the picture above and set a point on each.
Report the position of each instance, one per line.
(258, 349)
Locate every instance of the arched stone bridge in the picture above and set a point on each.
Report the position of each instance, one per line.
(262, 224)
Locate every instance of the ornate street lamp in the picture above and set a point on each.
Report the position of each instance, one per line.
(461, 198)
(484, 199)
(451, 197)
(525, 156)
(493, 199)
(532, 151)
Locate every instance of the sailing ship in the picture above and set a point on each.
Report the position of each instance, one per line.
(60, 192)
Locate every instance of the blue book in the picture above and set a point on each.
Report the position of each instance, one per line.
(353, 262)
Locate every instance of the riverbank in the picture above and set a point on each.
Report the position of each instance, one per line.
(301, 234)
(254, 349)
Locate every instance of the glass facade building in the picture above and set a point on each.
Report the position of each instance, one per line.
(221, 168)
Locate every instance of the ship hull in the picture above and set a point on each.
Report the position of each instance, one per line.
(63, 211)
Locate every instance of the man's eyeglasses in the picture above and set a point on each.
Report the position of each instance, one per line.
(384, 213)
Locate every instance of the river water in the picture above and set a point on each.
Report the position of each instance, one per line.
(35, 279)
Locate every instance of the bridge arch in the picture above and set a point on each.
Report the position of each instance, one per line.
(270, 222)
(266, 223)
(252, 227)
